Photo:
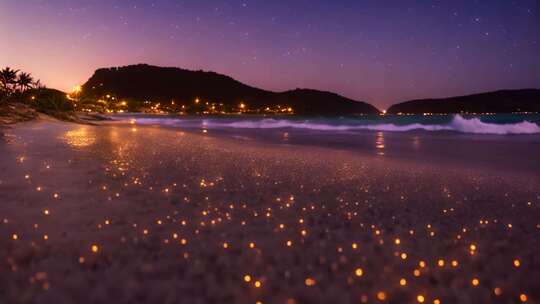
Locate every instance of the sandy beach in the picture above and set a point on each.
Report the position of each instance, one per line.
(142, 214)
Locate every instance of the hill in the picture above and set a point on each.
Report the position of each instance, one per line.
(174, 88)
(504, 101)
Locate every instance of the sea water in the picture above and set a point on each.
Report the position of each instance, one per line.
(499, 124)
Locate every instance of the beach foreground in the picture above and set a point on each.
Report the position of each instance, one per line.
(142, 214)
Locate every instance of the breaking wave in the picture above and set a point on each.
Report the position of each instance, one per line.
(475, 125)
(458, 124)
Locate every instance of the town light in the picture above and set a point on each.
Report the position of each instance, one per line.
(77, 89)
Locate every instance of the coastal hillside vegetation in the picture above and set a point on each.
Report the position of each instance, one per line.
(22, 97)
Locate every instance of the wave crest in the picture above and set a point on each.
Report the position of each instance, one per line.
(475, 125)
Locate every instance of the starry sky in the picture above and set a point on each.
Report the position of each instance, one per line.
(378, 51)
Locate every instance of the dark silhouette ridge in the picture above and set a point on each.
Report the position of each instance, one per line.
(503, 101)
(164, 84)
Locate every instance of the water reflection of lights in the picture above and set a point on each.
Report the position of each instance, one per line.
(79, 138)
(416, 142)
(285, 136)
(379, 143)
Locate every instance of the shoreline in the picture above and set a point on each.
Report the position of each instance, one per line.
(15, 113)
(457, 161)
(442, 148)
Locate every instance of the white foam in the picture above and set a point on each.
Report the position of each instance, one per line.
(475, 125)
(277, 124)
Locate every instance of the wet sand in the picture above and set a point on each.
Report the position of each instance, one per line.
(123, 214)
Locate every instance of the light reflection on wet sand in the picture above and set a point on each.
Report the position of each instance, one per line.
(379, 143)
(101, 214)
(81, 137)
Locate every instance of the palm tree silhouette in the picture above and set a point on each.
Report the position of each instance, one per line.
(38, 85)
(8, 78)
(25, 81)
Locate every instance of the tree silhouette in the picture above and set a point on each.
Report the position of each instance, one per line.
(25, 81)
(38, 85)
(8, 79)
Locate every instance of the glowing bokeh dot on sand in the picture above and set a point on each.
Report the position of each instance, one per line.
(310, 282)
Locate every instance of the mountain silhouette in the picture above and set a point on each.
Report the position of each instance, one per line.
(504, 101)
(155, 84)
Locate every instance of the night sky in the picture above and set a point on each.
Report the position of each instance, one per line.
(378, 51)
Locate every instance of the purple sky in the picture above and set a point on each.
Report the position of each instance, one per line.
(378, 51)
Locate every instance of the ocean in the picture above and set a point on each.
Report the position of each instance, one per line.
(499, 124)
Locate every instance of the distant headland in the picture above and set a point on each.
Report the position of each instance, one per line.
(503, 101)
(155, 89)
